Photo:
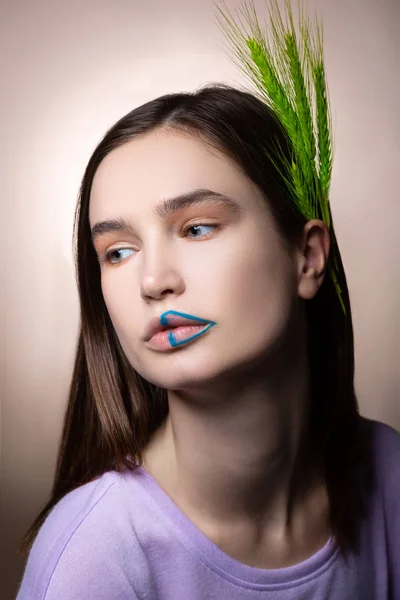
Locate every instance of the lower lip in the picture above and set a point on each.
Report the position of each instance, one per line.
(180, 336)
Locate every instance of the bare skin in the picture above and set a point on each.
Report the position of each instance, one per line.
(238, 397)
(246, 536)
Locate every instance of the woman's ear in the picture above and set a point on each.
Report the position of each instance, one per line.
(312, 258)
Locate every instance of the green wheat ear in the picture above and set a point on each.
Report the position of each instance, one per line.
(286, 65)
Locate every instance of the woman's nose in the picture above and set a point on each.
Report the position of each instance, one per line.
(160, 276)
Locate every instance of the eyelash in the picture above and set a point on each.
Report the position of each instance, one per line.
(107, 256)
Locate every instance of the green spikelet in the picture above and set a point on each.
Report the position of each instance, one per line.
(332, 273)
(287, 68)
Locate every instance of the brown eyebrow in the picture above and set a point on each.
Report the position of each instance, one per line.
(168, 207)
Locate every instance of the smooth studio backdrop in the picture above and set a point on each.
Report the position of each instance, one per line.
(69, 70)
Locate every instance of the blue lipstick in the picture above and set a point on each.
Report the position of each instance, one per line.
(173, 318)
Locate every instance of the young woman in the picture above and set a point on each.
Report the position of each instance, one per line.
(224, 456)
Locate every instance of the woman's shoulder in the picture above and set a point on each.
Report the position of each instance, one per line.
(386, 456)
(77, 504)
(85, 504)
(78, 508)
(385, 441)
(85, 533)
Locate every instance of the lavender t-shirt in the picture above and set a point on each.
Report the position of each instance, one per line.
(121, 537)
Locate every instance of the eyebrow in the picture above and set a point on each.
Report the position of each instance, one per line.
(168, 207)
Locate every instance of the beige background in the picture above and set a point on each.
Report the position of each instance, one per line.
(71, 69)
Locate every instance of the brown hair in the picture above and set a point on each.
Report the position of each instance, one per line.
(112, 411)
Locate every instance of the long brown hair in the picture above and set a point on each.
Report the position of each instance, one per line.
(112, 410)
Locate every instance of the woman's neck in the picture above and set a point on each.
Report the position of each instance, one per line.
(238, 457)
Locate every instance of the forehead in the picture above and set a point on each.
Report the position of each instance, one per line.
(163, 164)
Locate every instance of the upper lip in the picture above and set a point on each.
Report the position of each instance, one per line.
(154, 325)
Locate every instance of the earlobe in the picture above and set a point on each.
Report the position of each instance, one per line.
(309, 284)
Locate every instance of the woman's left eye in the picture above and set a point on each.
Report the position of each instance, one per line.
(197, 227)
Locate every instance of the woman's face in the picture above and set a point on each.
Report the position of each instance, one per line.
(221, 262)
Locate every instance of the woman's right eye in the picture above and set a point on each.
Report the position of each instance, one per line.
(108, 255)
